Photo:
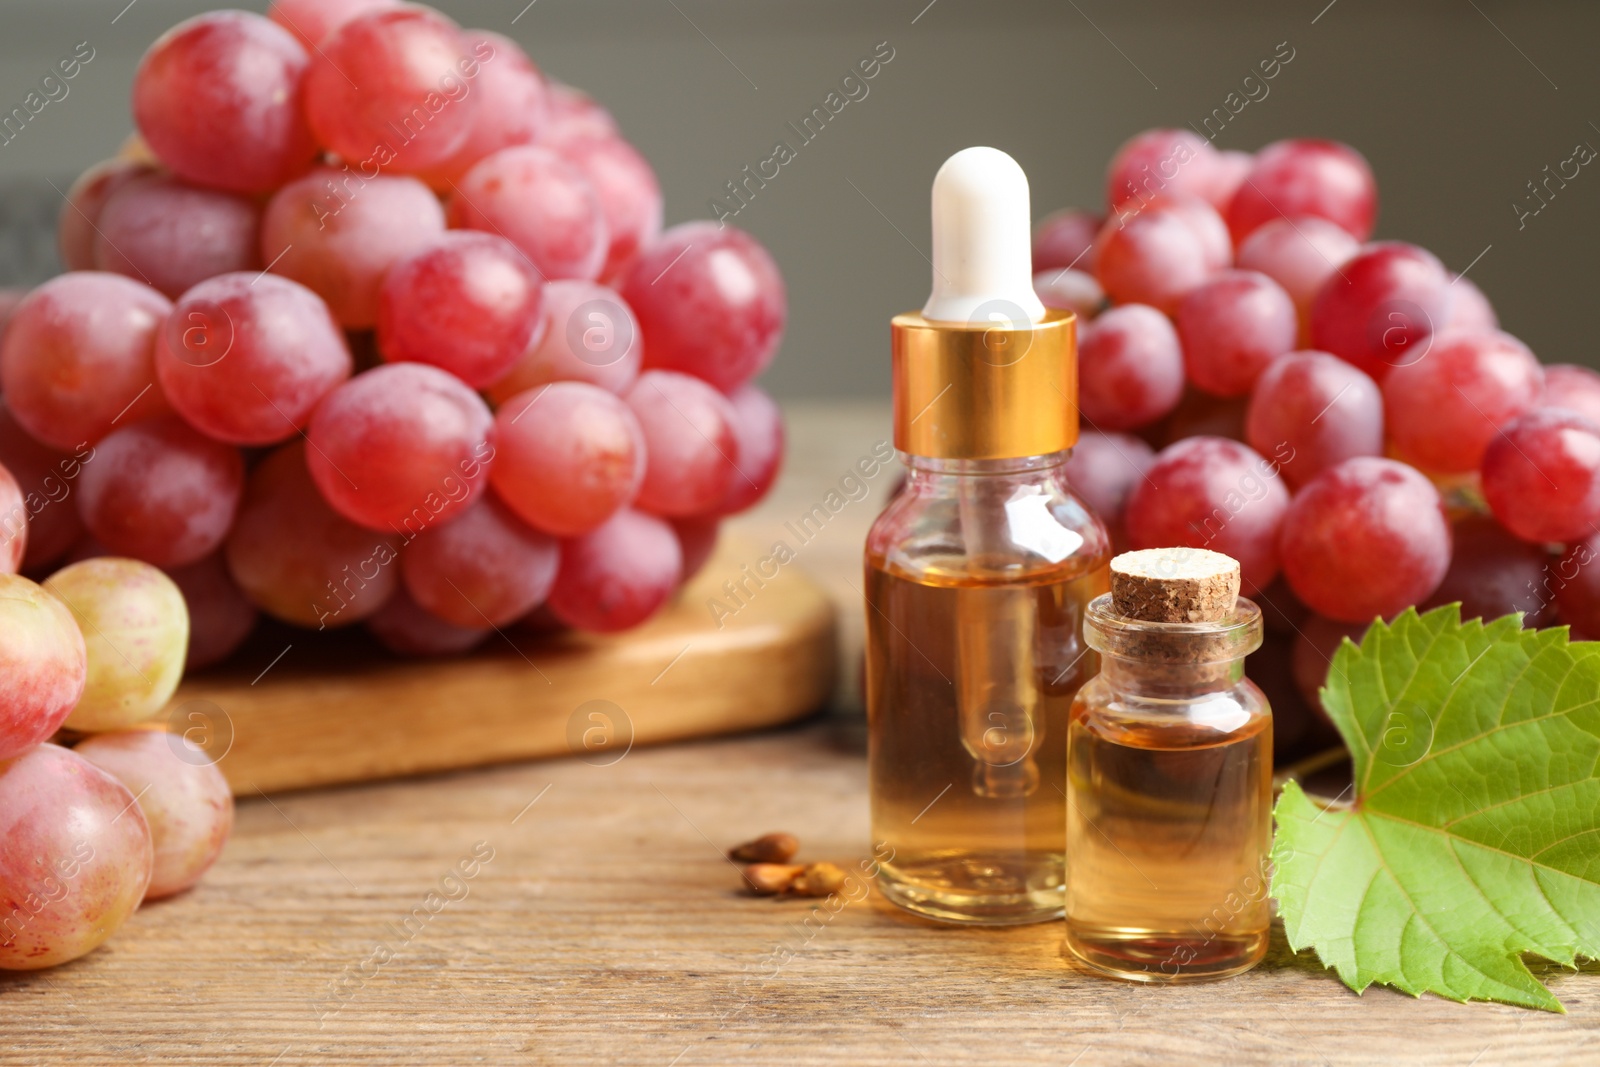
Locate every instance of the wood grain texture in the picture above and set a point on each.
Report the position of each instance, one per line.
(608, 929)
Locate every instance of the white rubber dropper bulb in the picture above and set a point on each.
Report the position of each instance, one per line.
(982, 241)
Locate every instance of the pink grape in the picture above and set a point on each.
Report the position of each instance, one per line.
(1153, 258)
(1159, 163)
(1130, 368)
(697, 539)
(1210, 492)
(220, 618)
(76, 861)
(1541, 475)
(392, 89)
(570, 455)
(617, 575)
(1470, 309)
(245, 358)
(13, 523)
(77, 357)
(135, 631)
(311, 21)
(574, 116)
(691, 446)
(1575, 581)
(1492, 574)
(407, 629)
(1443, 411)
(77, 227)
(630, 197)
(1070, 290)
(1208, 226)
(174, 236)
(1300, 255)
(483, 568)
(468, 304)
(1065, 240)
(338, 234)
(43, 665)
(161, 492)
(759, 444)
(184, 798)
(1294, 178)
(1566, 385)
(511, 111)
(1104, 468)
(1382, 307)
(710, 302)
(587, 334)
(1226, 174)
(401, 447)
(1311, 411)
(218, 100)
(1231, 328)
(539, 202)
(297, 559)
(45, 475)
(1365, 538)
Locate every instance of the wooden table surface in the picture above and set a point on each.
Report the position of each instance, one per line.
(561, 912)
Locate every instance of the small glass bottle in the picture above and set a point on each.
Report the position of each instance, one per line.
(1169, 776)
(977, 575)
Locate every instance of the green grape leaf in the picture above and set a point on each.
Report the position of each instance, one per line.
(1474, 835)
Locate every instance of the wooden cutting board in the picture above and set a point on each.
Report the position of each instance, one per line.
(295, 708)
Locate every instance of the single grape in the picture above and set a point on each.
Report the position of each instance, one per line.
(1226, 174)
(218, 99)
(759, 444)
(76, 861)
(1469, 308)
(406, 629)
(511, 109)
(1381, 308)
(539, 202)
(1566, 385)
(1365, 538)
(43, 665)
(136, 633)
(1064, 240)
(1208, 226)
(184, 798)
(468, 304)
(1443, 411)
(401, 448)
(13, 523)
(392, 89)
(300, 561)
(161, 492)
(1541, 475)
(311, 21)
(174, 236)
(691, 447)
(1300, 255)
(1493, 573)
(697, 540)
(483, 568)
(1159, 163)
(1104, 468)
(1070, 290)
(1154, 258)
(220, 618)
(710, 302)
(1231, 327)
(617, 575)
(338, 233)
(573, 115)
(1302, 177)
(587, 334)
(245, 358)
(1310, 411)
(1210, 492)
(77, 228)
(1130, 368)
(1574, 581)
(77, 359)
(630, 197)
(569, 456)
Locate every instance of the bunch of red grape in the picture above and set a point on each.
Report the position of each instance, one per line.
(373, 322)
(130, 813)
(1343, 417)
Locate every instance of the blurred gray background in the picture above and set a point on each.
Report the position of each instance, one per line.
(1458, 104)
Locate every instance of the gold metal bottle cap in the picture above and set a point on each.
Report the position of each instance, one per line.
(980, 391)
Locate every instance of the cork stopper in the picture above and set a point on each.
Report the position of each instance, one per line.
(1174, 585)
